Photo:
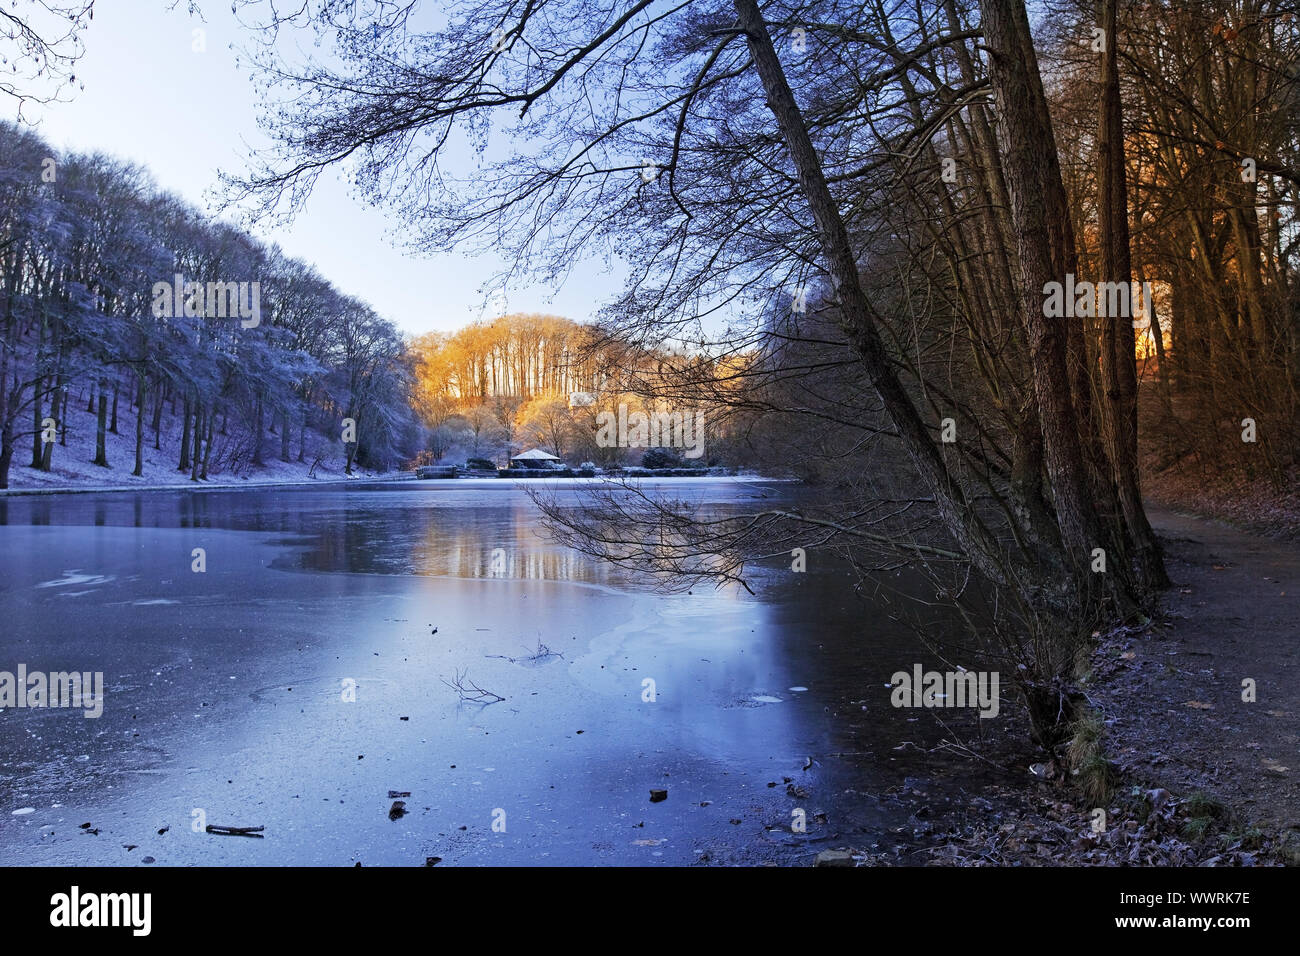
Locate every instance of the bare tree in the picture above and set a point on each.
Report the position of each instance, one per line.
(41, 40)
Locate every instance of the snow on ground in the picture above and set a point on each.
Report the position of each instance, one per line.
(71, 465)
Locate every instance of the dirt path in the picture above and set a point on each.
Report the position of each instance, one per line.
(1179, 719)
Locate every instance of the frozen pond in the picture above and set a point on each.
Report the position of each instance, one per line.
(297, 680)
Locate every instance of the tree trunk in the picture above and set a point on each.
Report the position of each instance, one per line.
(1163, 368)
(101, 429)
(258, 432)
(1119, 352)
(6, 420)
(64, 395)
(38, 398)
(856, 315)
(143, 394)
(6, 447)
(185, 439)
(47, 447)
(1029, 156)
(207, 449)
(197, 455)
(157, 418)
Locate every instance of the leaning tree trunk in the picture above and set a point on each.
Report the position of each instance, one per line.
(857, 317)
(1046, 686)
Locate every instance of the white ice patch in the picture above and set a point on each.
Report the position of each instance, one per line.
(765, 699)
(24, 811)
(797, 690)
(75, 577)
(153, 601)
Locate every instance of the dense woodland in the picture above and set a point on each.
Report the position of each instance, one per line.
(491, 388)
(84, 239)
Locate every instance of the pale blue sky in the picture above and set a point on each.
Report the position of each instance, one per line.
(151, 98)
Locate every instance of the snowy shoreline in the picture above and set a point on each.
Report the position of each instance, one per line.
(356, 479)
(194, 486)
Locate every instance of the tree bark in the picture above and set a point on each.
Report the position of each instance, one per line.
(259, 429)
(157, 418)
(6, 420)
(38, 398)
(185, 439)
(101, 428)
(1029, 159)
(207, 447)
(1119, 349)
(197, 454)
(143, 394)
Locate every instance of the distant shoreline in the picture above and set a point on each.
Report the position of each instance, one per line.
(357, 480)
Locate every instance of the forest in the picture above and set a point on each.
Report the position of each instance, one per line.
(491, 388)
(88, 243)
(98, 309)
